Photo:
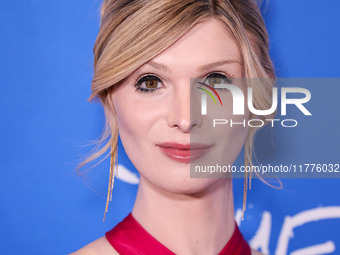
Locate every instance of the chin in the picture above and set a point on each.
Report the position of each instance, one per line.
(190, 186)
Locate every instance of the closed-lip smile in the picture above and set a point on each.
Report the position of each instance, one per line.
(183, 152)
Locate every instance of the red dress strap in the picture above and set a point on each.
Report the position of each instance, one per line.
(129, 238)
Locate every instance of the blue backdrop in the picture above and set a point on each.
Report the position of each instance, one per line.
(45, 75)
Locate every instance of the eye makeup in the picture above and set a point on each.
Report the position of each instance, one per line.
(218, 78)
(149, 83)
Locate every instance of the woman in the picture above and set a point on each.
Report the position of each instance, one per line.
(146, 54)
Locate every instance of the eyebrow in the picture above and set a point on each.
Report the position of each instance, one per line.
(159, 66)
(199, 69)
(215, 64)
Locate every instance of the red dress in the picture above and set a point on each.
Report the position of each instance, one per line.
(129, 238)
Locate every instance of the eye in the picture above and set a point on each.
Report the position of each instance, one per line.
(148, 84)
(218, 78)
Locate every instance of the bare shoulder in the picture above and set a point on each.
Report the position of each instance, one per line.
(98, 247)
(255, 252)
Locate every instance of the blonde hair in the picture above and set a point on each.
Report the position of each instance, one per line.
(134, 32)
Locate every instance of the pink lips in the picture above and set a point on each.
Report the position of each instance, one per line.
(184, 153)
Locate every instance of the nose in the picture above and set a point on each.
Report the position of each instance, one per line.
(184, 112)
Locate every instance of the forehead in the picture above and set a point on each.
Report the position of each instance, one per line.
(208, 41)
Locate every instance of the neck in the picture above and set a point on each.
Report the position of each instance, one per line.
(200, 223)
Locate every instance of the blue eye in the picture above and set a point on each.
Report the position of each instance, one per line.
(148, 84)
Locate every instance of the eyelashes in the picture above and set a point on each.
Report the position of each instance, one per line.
(150, 83)
(218, 78)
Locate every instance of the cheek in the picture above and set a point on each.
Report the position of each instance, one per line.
(237, 128)
(138, 124)
(133, 116)
(128, 119)
(226, 130)
(131, 128)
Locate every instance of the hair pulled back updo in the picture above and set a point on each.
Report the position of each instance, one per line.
(132, 32)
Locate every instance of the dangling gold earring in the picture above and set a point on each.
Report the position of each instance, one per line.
(248, 162)
(113, 168)
(245, 188)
